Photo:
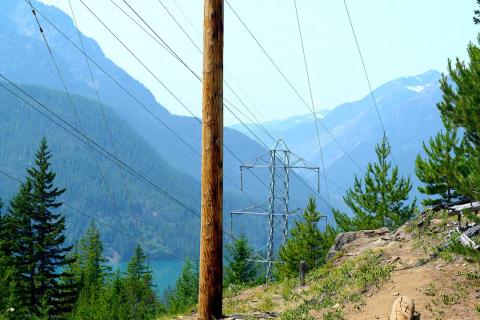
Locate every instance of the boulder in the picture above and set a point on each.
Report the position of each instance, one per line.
(345, 238)
(403, 309)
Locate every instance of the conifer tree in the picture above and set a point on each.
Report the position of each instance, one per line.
(37, 243)
(438, 170)
(239, 270)
(460, 108)
(307, 243)
(139, 288)
(185, 293)
(20, 244)
(48, 228)
(379, 199)
(476, 17)
(90, 272)
(90, 260)
(9, 301)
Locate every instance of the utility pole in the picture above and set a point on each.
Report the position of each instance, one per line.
(211, 243)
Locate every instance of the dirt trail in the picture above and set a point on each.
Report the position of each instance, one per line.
(441, 290)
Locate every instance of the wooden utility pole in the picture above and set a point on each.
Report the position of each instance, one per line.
(211, 244)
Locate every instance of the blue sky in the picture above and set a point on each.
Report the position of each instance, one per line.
(398, 38)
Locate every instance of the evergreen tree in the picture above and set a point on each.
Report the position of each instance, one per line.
(239, 269)
(307, 243)
(90, 271)
(379, 200)
(20, 244)
(185, 293)
(35, 239)
(460, 108)
(437, 171)
(9, 301)
(48, 227)
(476, 17)
(90, 260)
(138, 290)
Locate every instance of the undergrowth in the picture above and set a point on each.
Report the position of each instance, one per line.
(332, 285)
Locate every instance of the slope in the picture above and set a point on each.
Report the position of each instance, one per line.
(369, 270)
(25, 59)
(124, 202)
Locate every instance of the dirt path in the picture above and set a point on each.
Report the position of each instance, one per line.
(439, 289)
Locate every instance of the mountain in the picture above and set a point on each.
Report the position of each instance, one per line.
(283, 125)
(143, 140)
(125, 202)
(25, 59)
(408, 110)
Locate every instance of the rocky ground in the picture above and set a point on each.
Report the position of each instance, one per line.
(367, 272)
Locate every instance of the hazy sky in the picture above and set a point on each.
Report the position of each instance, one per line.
(398, 38)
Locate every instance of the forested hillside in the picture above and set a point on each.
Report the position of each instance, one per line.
(125, 202)
(25, 59)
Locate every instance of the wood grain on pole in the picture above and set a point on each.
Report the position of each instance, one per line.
(211, 245)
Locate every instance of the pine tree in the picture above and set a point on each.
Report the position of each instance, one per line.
(307, 243)
(48, 228)
(90, 260)
(36, 241)
(476, 17)
(139, 288)
(379, 199)
(185, 293)
(90, 271)
(239, 270)
(438, 170)
(460, 108)
(20, 243)
(9, 301)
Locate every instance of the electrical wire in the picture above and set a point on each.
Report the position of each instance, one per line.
(312, 102)
(269, 57)
(109, 131)
(75, 112)
(83, 213)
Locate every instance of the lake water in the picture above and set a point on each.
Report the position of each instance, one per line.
(165, 272)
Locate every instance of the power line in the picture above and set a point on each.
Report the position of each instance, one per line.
(363, 65)
(226, 147)
(199, 78)
(69, 128)
(141, 104)
(79, 135)
(199, 50)
(180, 26)
(172, 52)
(312, 102)
(50, 51)
(228, 73)
(109, 131)
(188, 20)
(83, 213)
(366, 72)
(269, 57)
(227, 102)
(150, 71)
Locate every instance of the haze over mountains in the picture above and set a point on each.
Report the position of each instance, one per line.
(408, 110)
(407, 107)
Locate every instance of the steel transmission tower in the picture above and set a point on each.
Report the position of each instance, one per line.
(280, 161)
